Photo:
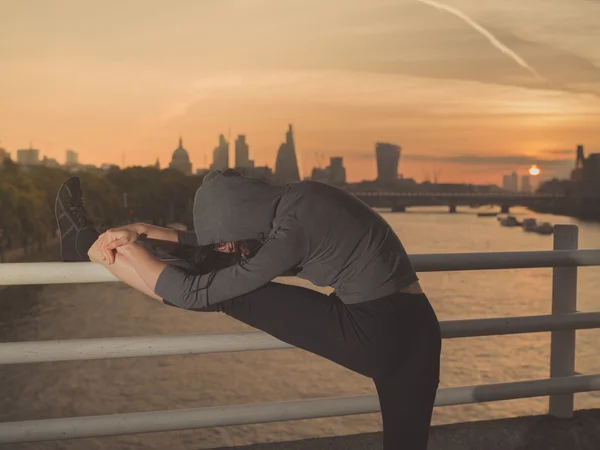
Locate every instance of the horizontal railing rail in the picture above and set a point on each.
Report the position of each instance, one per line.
(154, 421)
(65, 273)
(562, 323)
(134, 347)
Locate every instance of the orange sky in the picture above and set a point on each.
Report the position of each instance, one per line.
(469, 91)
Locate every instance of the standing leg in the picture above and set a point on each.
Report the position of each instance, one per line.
(407, 394)
(406, 407)
(396, 341)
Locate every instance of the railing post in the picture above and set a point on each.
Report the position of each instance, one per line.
(564, 300)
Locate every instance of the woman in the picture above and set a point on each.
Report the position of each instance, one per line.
(378, 322)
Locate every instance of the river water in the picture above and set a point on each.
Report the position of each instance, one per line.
(67, 389)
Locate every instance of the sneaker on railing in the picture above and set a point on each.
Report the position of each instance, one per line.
(77, 232)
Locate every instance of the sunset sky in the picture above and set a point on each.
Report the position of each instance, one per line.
(470, 89)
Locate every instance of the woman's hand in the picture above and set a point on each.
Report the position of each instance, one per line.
(118, 237)
(98, 255)
(133, 251)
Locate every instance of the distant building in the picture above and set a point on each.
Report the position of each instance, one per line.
(286, 164)
(587, 173)
(30, 156)
(50, 162)
(221, 155)
(3, 155)
(181, 160)
(510, 182)
(334, 174)
(338, 171)
(242, 153)
(72, 158)
(388, 157)
(526, 183)
(157, 164)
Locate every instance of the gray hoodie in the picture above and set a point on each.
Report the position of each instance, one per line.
(317, 232)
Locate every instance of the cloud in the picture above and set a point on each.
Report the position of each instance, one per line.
(485, 33)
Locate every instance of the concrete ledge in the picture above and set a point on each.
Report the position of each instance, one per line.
(520, 433)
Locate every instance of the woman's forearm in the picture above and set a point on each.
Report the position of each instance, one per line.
(157, 233)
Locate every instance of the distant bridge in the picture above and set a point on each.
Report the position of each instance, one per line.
(399, 201)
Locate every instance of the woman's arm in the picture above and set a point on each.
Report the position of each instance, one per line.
(166, 234)
(154, 232)
(284, 250)
(159, 236)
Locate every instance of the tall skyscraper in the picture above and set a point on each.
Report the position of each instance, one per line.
(72, 158)
(3, 155)
(29, 156)
(242, 154)
(221, 155)
(586, 173)
(286, 164)
(388, 157)
(511, 182)
(181, 160)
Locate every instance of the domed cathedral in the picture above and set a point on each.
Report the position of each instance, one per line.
(181, 160)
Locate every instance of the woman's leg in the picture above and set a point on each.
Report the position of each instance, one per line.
(407, 394)
(406, 402)
(396, 341)
(124, 271)
(396, 345)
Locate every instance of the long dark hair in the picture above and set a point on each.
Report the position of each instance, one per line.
(208, 260)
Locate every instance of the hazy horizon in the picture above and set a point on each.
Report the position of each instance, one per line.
(472, 90)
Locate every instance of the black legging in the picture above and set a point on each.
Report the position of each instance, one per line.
(394, 340)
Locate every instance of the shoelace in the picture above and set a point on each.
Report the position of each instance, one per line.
(79, 212)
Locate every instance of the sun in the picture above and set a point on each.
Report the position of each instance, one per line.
(534, 170)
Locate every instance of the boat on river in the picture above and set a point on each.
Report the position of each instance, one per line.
(509, 221)
(545, 228)
(529, 224)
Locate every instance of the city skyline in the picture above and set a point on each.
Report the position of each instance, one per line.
(180, 160)
(421, 77)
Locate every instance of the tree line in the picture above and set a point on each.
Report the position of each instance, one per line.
(112, 198)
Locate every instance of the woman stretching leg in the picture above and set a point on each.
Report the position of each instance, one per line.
(378, 322)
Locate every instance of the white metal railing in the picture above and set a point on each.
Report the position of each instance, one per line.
(562, 323)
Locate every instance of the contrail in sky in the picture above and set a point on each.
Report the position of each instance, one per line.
(481, 30)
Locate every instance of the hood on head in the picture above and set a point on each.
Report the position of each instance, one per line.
(231, 207)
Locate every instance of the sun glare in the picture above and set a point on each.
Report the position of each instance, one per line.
(534, 170)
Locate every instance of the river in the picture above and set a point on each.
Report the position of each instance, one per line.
(67, 389)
